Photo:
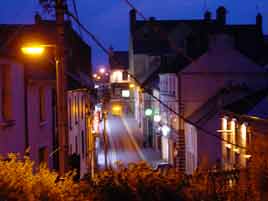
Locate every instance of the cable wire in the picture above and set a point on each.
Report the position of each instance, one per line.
(77, 16)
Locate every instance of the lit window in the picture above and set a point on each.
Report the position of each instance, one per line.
(125, 93)
(116, 76)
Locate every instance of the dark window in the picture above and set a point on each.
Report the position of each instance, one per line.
(42, 104)
(76, 145)
(82, 107)
(70, 113)
(228, 155)
(6, 92)
(42, 155)
(237, 160)
(83, 144)
(125, 75)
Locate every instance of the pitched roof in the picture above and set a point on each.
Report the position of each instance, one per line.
(223, 59)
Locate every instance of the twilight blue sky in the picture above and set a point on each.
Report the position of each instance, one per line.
(108, 19)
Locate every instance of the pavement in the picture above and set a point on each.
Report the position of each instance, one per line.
(125, 143)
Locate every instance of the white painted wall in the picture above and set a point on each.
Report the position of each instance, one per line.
(78, 128)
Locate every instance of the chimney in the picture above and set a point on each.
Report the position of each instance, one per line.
(132, 15)
(259, 21)
(207, 16)
(37, 18)
(221, 16)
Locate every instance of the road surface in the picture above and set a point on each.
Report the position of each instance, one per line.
(124, 143)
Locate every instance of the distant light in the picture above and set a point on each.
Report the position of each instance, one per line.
(102, 70)
(95, 75)
(98, 77)
(236, 150)
(35, 50)
(148, 112)
(247, 156)
(224, 131)
(131, 86)
(116, 108)
(165, 130)
(125, 93)
(106, 74)
(96, 86)
(157, 118)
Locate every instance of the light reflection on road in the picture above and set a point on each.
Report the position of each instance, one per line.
(122, 144)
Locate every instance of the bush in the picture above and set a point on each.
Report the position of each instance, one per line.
(19, 183)
(137, 182)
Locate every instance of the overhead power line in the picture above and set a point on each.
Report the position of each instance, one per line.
(109, 53)
(77, 16)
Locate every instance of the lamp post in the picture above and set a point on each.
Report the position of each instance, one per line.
(38, 50)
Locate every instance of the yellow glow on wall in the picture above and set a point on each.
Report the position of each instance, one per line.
(224, 123)
(236, 150)
(116, 76)
(228, 146)
(233, 125)
(247, 156)
(244, 132)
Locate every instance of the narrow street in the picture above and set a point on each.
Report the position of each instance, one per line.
(125, 143)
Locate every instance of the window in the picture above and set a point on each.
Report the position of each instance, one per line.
(6, 85)
(42, 104)
(237, 160)
(76, 145)
(125, 75)
(82, 107)
(70, 113)
(42, 155)
(228, 155)
(76, 109)
(83, 144)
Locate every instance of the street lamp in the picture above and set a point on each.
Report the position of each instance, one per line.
(102, 70)
(38, 50)
(148, 112)
(95, 75)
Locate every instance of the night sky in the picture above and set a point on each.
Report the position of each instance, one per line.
(109, 21)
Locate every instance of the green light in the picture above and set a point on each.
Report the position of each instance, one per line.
(148, 112)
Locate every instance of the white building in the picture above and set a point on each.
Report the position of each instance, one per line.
(79, 130)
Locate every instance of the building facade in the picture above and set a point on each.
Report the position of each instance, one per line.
(225, 55)
(79, 106)
(27, 122)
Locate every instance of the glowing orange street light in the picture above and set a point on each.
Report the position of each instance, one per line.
(33, 50)
(98, 77)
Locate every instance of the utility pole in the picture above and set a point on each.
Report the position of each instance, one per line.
(61, 89)
(105, 138)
